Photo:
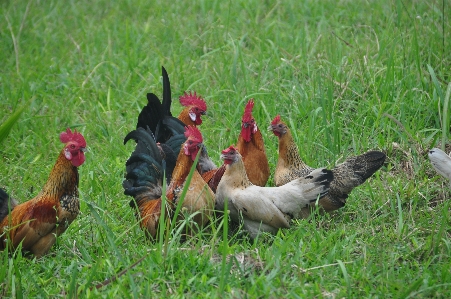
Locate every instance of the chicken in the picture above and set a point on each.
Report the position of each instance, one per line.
(251, 147)
(37, 222)
(158, 118)
(266, 209)
(441, 162)
(348, 175)
(144, 180)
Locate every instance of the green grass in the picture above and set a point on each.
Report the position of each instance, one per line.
(348, 76)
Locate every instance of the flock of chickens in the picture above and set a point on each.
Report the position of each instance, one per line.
(170, 157)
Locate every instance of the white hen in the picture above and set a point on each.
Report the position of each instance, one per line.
(441, 162)
(266, 208)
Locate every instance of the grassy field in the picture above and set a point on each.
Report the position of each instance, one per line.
(348, 75)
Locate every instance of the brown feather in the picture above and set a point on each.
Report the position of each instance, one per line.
(254, 158)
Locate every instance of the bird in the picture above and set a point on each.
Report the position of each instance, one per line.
(265, 209)
(157, 116)
(251, 147)
(441, 162)
(144, 180)
(36, 223)
(351, 173)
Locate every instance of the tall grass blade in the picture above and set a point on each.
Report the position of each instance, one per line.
(73, 281)
(5, 128)
(400, 216)
(225, 245)
(437, 86)
(445, 116)
(346, 277)
(18, 287)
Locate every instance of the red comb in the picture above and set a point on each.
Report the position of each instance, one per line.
(247, 116)
(276, 120)
(193, 133)
(74, 136)
(191, 99)
(230, 148)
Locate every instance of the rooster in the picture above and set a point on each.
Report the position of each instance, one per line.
(441, 162)
(348, 175)
(266, 209)
(158, 118)
(144, 180)
(36, 223)
(251, 147)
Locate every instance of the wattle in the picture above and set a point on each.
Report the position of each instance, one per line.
(198, 120)
(246, 133)
(78, 160)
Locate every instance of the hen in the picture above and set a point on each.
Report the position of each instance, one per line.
(348, 175)
(144, 180)
(251, 147)
(441, 162)
(37, 222)
(266, 209)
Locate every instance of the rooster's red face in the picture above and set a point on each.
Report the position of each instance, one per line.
(248, 124)
(195, 114)
(75, 153)
(248, 128)
(193, 142)
(75, 148)
(191, 148)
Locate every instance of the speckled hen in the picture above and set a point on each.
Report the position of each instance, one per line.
(348, 175)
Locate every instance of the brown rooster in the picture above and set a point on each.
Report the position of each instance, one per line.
(144, 180)
(251, 147)
(37, 222)
(348, 175)
(266, 208)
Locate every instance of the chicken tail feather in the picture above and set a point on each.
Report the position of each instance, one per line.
(145, 167)
(355, 171)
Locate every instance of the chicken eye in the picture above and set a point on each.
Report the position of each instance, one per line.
(72, 146)
(245, 125)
